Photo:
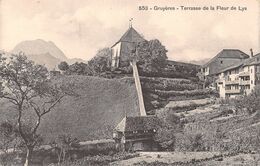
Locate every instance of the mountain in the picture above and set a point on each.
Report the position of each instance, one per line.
(39, 46)
(45, 59)
(199, 62)
(74, 60)
(44, 53)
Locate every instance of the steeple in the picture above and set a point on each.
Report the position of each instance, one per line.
(130, 22)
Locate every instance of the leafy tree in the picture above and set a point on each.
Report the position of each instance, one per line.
(80, 69)
(63, 66)
(27, 87)
(151, 56)
(101, 62)
(250, 102)
(8, 136)
(63, 144)
(168, 127)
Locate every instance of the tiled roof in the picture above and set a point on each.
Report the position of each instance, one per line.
(247, 62)
(229, 53)
(137, 123)
(131, 35)
(254, 60)
(230, 67)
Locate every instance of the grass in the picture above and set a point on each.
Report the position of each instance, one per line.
(100, 106)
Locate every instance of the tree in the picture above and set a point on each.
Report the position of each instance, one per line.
(250, 102)
(63, 144)
(27, 87)
(63, 66)
(80, 69)
(101, 62)
(167, 129)
(151, 56)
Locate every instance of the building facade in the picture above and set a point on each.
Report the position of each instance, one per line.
(136, 133)
(239, 79)
(224, 59)
(121, 50)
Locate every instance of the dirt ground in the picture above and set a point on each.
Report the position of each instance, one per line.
(172, 157)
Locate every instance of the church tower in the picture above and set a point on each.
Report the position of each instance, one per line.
(121, 50)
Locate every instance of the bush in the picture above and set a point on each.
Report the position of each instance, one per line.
(190, 142)
(100, 159)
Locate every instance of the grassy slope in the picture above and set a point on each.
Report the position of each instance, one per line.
(101, 104)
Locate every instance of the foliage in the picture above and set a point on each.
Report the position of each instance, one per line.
(63, 144)
(101, 61)
(100, 159)
(79, 69)
(26, 86)
(190, 142)
(63, 66)
(250, 103)
(208, 81)
(9, 138)
(8, 135)
(151, 56)
(167, 129)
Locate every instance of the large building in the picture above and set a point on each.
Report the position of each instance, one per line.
(121, 50)
(224, 59)
(240, 78)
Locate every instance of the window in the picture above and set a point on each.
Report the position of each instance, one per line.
(252, 82)
(251, 70)
(221, 62)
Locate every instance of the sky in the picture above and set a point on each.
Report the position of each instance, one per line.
(81, 27)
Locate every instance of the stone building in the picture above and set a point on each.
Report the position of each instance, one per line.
(224, 59)
(121, 50)
(136, 133)
(239, 79)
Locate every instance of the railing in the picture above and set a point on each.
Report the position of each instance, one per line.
(233, 91)
(232, 82)
(243, 74)
(219, 80)
(245, 82)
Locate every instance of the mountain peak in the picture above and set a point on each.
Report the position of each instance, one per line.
(39, 46)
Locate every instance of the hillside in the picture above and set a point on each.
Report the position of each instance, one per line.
(101, 104)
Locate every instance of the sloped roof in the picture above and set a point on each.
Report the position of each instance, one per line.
(137, 123)
(230, 67)
(246, 62)
(254, 60)
(229, 53)
(132, 36)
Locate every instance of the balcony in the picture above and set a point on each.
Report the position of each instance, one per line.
(233, 91)
(244, 74)
(233, 82)
(245, 82)
(219, 80)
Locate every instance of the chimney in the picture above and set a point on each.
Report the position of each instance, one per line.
(251, 53)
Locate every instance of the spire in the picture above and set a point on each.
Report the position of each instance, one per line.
(130, 23)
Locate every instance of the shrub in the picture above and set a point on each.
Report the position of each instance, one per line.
(100, 159)
(250, 102)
